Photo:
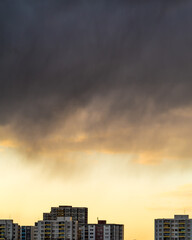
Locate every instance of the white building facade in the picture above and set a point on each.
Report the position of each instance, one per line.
(63, 228)
(9, 230)
(177, 228)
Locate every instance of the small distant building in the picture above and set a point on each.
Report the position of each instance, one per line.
(27, 233)
(102, 231)
(9, 230)
(177, 228)
(63, 228)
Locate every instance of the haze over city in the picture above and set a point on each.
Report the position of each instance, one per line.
(95, 110)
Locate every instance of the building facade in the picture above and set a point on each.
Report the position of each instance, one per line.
(102, 231)
(79, 214)
(177, 228)
(27, 233)
(63, 228)
(9, 230)
(35, 231)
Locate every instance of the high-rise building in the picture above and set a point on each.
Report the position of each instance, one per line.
(27, 233)
(102, 231)
(62, 228)
(9, 230)
(79, 214)
(177, 228)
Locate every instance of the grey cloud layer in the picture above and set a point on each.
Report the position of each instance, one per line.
(131, 58)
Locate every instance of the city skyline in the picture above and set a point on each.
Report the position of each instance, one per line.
(62, 222)
(68, 222)
(96, 109)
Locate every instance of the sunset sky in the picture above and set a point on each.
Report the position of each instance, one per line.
(96, 110)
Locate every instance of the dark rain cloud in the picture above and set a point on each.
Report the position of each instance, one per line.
(60, 56)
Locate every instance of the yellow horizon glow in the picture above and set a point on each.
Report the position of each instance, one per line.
(114, 188)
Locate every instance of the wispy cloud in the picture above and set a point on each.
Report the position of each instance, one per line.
(184, 191)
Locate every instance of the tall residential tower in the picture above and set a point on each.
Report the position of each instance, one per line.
(62, 228)
(9, 230)
(79, 214)
(177, 228)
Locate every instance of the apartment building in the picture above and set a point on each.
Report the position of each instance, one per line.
(63, 228)
(79, 214)
(9, 230)
(27, 233)
(102, 231)
(35, 236)
(177, 228)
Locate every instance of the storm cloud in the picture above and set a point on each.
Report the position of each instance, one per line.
(97, 75)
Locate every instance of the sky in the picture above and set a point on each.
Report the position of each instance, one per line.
(95, 110)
